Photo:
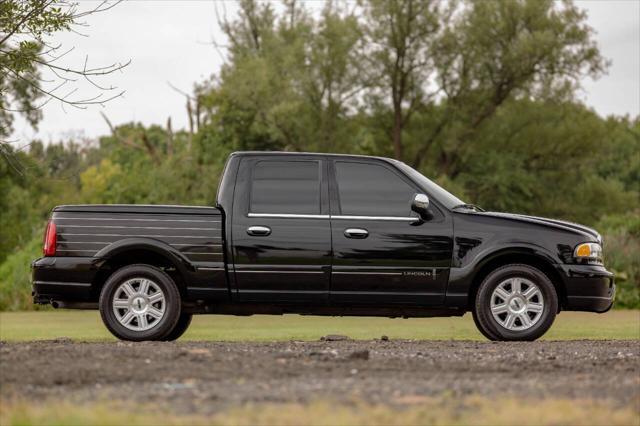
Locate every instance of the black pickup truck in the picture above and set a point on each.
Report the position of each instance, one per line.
(319, 234)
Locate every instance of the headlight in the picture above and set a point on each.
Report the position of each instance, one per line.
(589, 252)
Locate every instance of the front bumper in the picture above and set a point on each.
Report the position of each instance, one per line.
(63, 278)
(589, 288)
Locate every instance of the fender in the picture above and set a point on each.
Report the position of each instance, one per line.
(149, 244)
(461, 278)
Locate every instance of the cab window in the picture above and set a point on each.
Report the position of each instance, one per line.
(372, 190)
(285, 187)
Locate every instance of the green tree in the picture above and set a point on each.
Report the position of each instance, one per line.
(25, 51)
(400, 41)
(621, 152)
(496, 51)
(543, 158)
(291, 82)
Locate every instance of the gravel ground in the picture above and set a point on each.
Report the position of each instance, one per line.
(203, 377)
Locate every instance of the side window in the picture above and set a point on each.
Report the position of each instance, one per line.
(290, 187)
(372, 190)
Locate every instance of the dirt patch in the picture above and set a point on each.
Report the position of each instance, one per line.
(204, 377)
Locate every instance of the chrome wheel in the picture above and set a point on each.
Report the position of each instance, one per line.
(517, 304)
(139, 304)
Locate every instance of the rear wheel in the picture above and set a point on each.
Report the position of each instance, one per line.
(140, 302)
(515, 302)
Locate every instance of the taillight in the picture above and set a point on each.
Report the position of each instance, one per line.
(50, 239)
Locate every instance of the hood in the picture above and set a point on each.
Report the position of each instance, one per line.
(559, 224)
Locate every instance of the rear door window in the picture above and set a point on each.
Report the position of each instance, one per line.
(285, 187)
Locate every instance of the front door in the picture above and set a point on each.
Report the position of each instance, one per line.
(383, 254)
(281, 234)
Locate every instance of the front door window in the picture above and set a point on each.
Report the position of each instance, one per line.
(372, 190)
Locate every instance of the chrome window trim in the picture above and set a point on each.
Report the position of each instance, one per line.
(387, 218)
(341, 217)
(290, 215)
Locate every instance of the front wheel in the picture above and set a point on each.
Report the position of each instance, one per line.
(140, 302)
(515, 302)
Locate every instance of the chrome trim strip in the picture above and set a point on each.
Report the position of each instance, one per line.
(578, 298)
(198, 245)
(135, 220)
(207, 268)
(387, 218)
(198, 252)
(343, 217)
(111, 242)
(135, 236)
(182, 206)
(62, 283)
(281, 272)
(384, 293)
(138, 227)
(366, 273)
(207, 289)
(284, 291)
(292, 216)
(84, 242)
(390, 268)
(265, 215)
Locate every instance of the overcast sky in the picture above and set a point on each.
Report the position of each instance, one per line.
(170, 42)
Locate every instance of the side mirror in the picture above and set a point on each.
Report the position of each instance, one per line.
(420, 205)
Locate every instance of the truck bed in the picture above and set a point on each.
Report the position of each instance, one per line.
(85, 230)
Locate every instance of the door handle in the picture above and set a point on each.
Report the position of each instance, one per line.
(259, 231)
(358, 233)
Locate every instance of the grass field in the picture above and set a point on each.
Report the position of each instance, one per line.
(87, 326)
(473, 410)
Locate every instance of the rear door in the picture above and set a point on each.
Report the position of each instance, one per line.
(382, 254)
(281, 236)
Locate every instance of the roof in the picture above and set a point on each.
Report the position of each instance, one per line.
(319, 154)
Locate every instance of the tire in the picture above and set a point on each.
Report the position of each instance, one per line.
(515, 302)
(482, 330)
(140, 302)
(181, 327)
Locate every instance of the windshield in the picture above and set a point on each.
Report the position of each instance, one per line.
(433, 190)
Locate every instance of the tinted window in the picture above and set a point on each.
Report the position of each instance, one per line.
(291, 187)
(372, 190)
(439, 193)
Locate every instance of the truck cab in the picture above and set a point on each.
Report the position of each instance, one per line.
(320, 234)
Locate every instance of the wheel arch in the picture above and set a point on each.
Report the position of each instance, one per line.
(523, 256)
(141, 251)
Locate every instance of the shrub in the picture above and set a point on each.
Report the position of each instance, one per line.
(15, 277)
(621, 235)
